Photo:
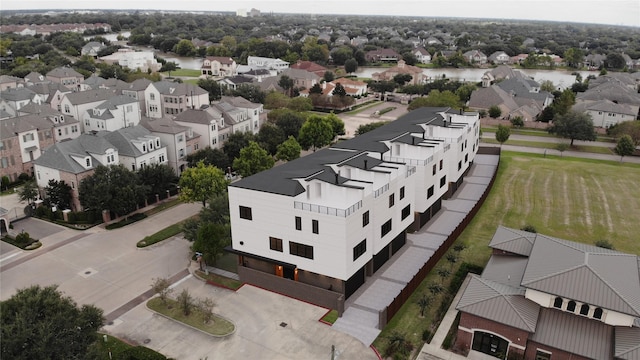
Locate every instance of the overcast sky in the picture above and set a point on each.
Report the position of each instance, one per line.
(616, 12)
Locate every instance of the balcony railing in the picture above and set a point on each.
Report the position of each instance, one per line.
(381, 190)
(411, 170)
(326, 209)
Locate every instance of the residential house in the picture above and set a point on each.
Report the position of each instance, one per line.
(24, 137)
(92, 48)
(9, 82)
(179, 140)
(203, 122)
(76, 104)
(275, 65)
(49, 93)
(66, 76)
(352, 87)
(384, 55)
(594, 61)
(302, 79)
(12, 99)
(342, 40)
(169, 98)
(94, 82)
(116, 113)
(501, 72)
(219, 66)
(432, 40)
(234, 82)
(545, 298)
(422, 55)
(475, 57)
(129, 58)
(499, 57)
(359, 41)
(310, 66)
(256, 75)
(136, 90)
(72, 161)
(606, 113)
(136, 147)
(269, 84)
(61, 127)
(610, 99)
(316, 227)
(518, 59)
(417, 76)
(34, 78)
(241, 114)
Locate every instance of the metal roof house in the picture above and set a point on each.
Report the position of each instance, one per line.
(545, 298)
(316, 227)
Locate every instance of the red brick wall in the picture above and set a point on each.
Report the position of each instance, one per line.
(469, 321)
(556, 354)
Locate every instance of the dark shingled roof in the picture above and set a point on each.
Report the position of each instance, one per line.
(282, 179)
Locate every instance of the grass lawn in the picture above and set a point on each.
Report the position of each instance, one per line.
(552, 146)
(221, 280)
(115, 348)
(581, 200)
(191, 81)
(330, 317)
(541, 133)
(184, 72)
(169, 231)
(217, 326)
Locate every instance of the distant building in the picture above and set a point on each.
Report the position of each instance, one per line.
(129, 58)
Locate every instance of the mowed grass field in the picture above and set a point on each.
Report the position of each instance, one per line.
(574, 199)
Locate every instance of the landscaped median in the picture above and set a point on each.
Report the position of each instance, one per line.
(208, 323)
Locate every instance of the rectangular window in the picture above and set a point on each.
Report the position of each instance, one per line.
(301, 250)
(386, 228)
(466, 158)
(275, 244)
(359, 249)
(392, 200)
(459, 165)
(298, 223)
(443, 180)
(430, 192)
(406, 211)
(315, 226)
(245, 213)
(434, 169)
(441, 163)
(365, 218)
(402, 193)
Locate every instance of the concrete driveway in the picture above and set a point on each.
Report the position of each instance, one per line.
(259, 316)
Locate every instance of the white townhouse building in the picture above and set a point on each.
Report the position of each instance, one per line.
(137, 147)
(163, 98)
(328, 220)
(201, 122)
(76, 104)
(116, 113)
(275, 65)
(179, 140)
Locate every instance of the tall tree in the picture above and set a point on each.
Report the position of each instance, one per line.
(495, 111)
(252, 160)
(574, 57)
(364, 128)
(625, 146)
(573, 125)
(185, 47)
(112, 188)
(316, 132)
(59, 194)
(211, 239)
(286, 83)
(169, 66)
(563, 103)
(300, 104)
(290, 122)
(202, 182)
(269, 137)
(502, 134)
(212, 87)
(337, 125)
(339, 90)
(42, 323)
(28, 192)
(209, 156)
(236, 142)
(631, 128)
(289, 150)
(351, 66)
(158, 178)
(436, 99)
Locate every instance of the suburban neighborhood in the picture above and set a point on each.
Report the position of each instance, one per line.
(308, 186)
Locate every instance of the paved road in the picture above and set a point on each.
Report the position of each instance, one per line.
(549, 139)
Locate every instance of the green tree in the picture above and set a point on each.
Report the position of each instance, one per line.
(186, 302)
(402, 79)
(573, 125)
(276, 100)
(300, 104)
(202, 182)
(59, 194)
(112, 188)
(436, 99)
(548, 86)
(316, 132)
(211, 239)
(162, 287)
(158, 178)
(337, 125)
(315, 89)
(236, 142)
(563, 103)
(328, 76)
(351, 66)
(502, 134)
(365, 128)
(424, 303)
(252, 160)
(625, 146)
(269, 137)
(212, 87)
(28, 192)
(169, 66)
(562, 147)
(289, 150)
(42, 323)
(209, 156)
(631, 128)
(398, 343)
(286, 83)
(615, 62)
(185, 47)
(339, 90)
(464, 92)
(289, 121)
(495, 111)
(517, 121)
(574, 57)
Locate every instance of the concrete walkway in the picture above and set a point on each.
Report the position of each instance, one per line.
(362, 309)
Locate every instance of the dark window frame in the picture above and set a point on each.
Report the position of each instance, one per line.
(275, 244)
(298, 223)
(406, 211)
(301, 250)
(392, 200)
(402, 193)
(359, 249)
(245, 213)
(315, 226)
(386, 228)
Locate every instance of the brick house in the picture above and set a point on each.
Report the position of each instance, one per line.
(66, 76)
(545, 298)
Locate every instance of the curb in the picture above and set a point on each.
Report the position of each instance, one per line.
(235, 327)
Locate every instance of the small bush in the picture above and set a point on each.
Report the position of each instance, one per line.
(461, 274)
(426, 335)
(130, 220)
(529, 228)
(23, 239)
(604, 244)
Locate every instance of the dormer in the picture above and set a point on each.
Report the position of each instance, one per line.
(55, 119)
(61, 118)
(171, 90)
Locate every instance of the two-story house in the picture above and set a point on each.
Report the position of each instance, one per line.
(422, 55)
(92, 48)
(274, 65)
(117, 112)
(219, 66)
(545, 298)
(66, 76)
(202, 122)
(12, 99)
(417, 76)
(316, 227)
(136, 90)
(302, 79)
(137, 147)
(76, 104)
(72, 161)
(475, 57)
(10, 82)
(499, 57)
